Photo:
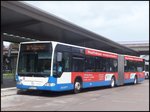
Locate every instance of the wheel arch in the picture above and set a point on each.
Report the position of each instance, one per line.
(79, 78)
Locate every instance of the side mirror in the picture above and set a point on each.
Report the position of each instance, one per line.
(59, 56)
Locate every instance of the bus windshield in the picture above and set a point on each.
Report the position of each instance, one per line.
(35, 60)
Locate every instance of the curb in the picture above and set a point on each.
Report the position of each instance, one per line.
(8, 91)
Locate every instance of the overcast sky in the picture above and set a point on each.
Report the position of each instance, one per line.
(116, 20)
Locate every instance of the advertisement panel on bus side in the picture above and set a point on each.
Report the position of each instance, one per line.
(133, 58)
(94, 76)
(101, 54)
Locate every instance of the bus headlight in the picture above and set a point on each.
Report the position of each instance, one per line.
(50, 84)
(19, 82)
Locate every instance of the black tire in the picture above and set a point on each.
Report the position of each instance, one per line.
(135, 80)
(113, 82)
(19, 91)
(77, 86)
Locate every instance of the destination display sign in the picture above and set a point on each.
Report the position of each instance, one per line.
(35, 47)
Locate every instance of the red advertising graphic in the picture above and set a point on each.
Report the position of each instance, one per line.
(133, 58)
(127, 75)
(91, 76)
(101, 54)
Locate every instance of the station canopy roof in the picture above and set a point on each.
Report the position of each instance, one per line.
(21, 22)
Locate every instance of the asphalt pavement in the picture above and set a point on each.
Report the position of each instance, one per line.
(123, 98)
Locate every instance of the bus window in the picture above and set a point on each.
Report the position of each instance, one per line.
(133, 66)
(108, 66)
(90, 64)
(77, 64)
(100, 64)
(140, 66)
(66, 62)
(62, 66)
(115, 65)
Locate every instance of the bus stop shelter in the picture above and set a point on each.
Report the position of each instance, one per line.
(21, 22)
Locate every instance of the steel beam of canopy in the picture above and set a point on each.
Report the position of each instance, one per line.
(52, 26)
(18, 25)
(15, 39)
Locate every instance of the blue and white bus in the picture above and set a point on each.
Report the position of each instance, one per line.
(55, 66)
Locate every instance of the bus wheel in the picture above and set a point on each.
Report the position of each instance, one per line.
(77, 86)
(19, 91)
(112, 82)
(135, 80)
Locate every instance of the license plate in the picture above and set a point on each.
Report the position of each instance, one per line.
(32, 88)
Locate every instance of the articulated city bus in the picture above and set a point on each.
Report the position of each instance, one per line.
(55, 66)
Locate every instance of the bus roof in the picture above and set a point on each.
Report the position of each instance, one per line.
(78, 47)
